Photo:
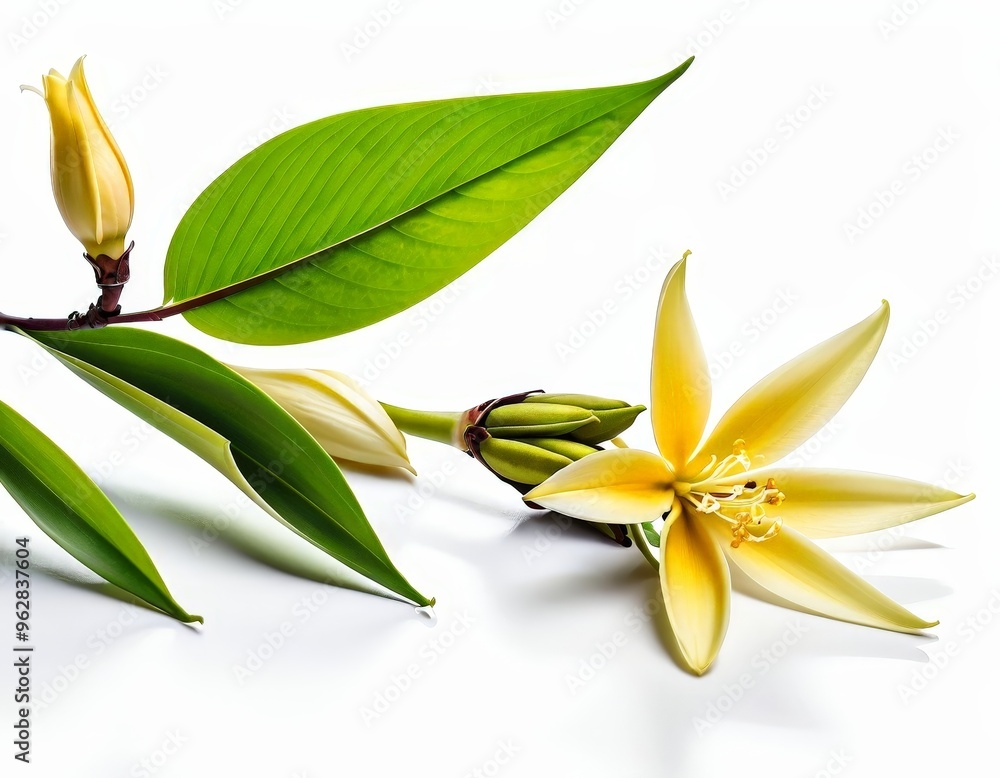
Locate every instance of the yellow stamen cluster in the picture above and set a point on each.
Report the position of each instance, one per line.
(741, 505)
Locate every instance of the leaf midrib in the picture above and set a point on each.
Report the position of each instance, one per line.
(653, 85)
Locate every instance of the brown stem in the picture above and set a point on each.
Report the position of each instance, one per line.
(108, 312)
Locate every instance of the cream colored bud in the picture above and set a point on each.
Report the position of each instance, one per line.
(90, 180)
(346, 421)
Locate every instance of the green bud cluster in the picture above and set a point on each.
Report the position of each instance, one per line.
(532, 439)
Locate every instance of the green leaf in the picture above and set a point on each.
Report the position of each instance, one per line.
(238, 429)
(374, 210)
(70, 508)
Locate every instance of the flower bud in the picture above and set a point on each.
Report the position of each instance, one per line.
(612, 417)
(525, 438)
(530, 461)
(345, 420)
(538, 420)
(90, 180)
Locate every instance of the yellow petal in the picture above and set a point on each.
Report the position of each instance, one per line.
(694, 577)
(681, 387)
(833, 503)
(797, 570)
(115, 181)
(619, 486)
(74, 183)
(789, 406)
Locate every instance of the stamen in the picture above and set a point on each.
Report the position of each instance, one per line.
(706, 471)
(740, 531)
(704, 503)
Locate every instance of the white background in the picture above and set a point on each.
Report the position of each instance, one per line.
(189, 86)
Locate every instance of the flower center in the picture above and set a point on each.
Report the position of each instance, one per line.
(741, 505)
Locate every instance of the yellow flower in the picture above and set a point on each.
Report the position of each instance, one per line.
(345, 420)
(728, 497)
(90, 180)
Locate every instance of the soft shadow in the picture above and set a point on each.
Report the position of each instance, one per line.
(242, 535)
(665, 633)
(395, 473)
(100, 588)
(854, 640)
(853, 545)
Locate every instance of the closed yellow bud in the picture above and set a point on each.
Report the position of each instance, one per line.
(90, 180)
(345, 420)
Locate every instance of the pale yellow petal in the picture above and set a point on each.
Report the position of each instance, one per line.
(346, 421)
(618, 486)
(797, 570)
(74, 183)
(694, 577)
(109, 162)
(833, 503)
(789, 406)
(681, 386)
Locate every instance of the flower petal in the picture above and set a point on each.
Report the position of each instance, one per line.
(74, 182)
(794, 568)
(345, 420)
(619, 486)
(833, 503)
(786, 408)
(694, 577)
(115, 181)
(681, 386)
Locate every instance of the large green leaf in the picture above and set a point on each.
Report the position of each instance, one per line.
(237, 428)
(374, 210)
(70, 508)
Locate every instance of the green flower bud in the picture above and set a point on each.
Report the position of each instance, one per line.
(526, 438)
(521, 420)
(529, 461)
(613, 416)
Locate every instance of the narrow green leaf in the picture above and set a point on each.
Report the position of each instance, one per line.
(375, 210)
(239, 430)
(70, 508)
